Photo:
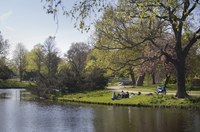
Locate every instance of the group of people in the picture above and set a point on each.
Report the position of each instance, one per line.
(160, 89)
(122, 95)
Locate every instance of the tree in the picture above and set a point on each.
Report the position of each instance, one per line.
(178, 15)
(5, 71)
(67, 78)
(95, 79)
(36, 59)
(4, 45)
(46, 61)
(118, 36)
(51, 57)
(19, 57)
(113, 61)
(76, 57)
(35, 62)
(74, 73)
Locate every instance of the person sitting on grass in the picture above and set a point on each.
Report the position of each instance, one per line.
(123, 94)
(127, 94)
(114, 97)
(161, 89)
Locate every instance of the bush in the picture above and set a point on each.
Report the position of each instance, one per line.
(95, 80)
(5, 72)
(30, 76)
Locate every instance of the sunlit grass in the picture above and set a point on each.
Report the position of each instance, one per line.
(11, 83)
(104, 97)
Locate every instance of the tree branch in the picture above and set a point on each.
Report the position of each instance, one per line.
(196, 37)
(130, 62)
(169, 57)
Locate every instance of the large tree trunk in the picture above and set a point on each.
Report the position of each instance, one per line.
(132, 77)
(153, 78)
(181, 89)
(167, 80)
(140, 80)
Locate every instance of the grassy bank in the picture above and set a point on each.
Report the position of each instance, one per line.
(104, 97)
(13, 83)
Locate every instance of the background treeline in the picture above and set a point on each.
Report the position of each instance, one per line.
(51, 73)
(86, 67)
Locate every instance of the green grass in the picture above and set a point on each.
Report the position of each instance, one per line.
(104, 97)
(11, 83)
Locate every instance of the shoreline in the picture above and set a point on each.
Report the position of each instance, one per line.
(131, 105)
(103, 97)
(13, 87)
(152, 101)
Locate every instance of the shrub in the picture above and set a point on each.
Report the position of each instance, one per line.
(95, 80)
(5, 72)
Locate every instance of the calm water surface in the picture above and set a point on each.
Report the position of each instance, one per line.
(24, 116)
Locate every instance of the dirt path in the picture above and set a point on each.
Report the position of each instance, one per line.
(120, 88)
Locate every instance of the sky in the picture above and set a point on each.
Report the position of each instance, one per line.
(25, 21)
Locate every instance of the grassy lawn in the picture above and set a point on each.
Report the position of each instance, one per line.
(13, 83)
(104, 97)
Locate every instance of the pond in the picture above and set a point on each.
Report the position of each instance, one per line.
(27, 116)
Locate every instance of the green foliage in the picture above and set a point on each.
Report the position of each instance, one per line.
(5, 72)
(19, 57)
(13, 83)
(43, 68)
(65, 76)
(35, 59)
(95, 79)
(90, 80)
(68, 79)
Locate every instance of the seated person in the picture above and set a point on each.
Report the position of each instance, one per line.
(114, 96)
(123, 94)
(127, 94)
(161, 89)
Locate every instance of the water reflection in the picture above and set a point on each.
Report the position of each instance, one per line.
(22, 116)
(146, 120)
